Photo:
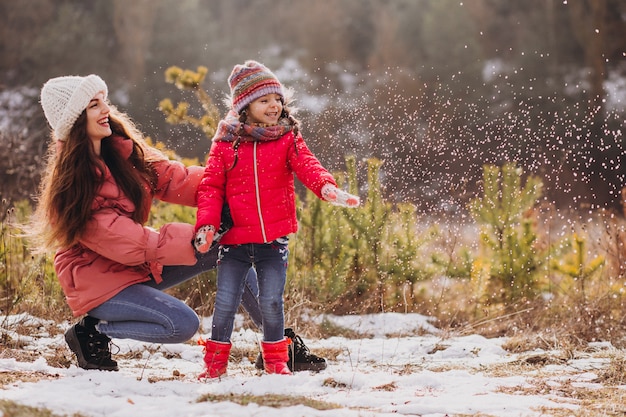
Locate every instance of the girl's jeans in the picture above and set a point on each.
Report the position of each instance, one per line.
(144, 312)
(270, 262)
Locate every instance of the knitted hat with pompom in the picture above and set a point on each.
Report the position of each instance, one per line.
(64, 98)
(251, 81)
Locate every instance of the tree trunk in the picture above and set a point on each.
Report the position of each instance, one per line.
(133, 22)
(588, 19)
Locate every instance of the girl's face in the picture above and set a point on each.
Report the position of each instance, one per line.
(98, 118)
(265, 109)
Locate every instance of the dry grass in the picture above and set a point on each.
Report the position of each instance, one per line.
(270, 400)
(542, 333)
(544, 372)
(14, 344)
(607, 399)
(12, 409)
(590, 402)
(9, 378)
(615, 373)
(390, 387)
(56, 357)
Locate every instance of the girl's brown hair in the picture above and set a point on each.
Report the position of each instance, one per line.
(74, 174)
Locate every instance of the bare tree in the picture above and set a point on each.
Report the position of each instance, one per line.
(588, 18)
(133, 22)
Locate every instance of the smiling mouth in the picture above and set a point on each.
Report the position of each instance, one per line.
(104, 122)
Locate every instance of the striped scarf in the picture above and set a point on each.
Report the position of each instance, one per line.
(230, 129)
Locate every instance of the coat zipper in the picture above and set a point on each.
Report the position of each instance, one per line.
(258, 195)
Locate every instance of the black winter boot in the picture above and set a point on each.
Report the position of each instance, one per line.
(90, 346)
(300, 358)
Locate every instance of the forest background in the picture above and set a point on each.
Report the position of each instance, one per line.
(485, 137)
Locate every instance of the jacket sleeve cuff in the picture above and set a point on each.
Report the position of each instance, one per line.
(152, 246)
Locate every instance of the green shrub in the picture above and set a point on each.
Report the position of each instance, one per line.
(27, 282)
(576, 267)
(359, 260)
(506, 270)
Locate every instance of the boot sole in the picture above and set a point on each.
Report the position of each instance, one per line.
(308, 366)
(296, 366)
(72, 341)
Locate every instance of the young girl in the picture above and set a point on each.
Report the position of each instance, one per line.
(255, 152)
(95, 197)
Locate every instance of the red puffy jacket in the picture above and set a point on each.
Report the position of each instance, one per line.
(116, 252)
(259, 189)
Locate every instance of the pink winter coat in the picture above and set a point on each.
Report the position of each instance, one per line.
(115, 252)
(259, 189)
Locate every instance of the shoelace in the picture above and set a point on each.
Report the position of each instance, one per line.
(299, 348)
(99, 346)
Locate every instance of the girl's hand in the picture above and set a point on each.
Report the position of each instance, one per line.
(204, 238)
(339, 197)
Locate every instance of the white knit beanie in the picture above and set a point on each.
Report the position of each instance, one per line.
(64, 98)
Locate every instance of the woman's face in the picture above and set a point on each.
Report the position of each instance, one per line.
(98, 118)
(265, 109)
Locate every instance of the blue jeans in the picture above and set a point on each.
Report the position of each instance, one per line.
(270, 262)
(144, 312)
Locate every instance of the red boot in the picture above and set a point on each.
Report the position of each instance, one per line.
(215, 358)
(276, 356)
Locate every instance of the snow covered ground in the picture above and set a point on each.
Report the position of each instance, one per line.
(401, 365)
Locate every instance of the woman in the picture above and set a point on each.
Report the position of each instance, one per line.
(94, 200)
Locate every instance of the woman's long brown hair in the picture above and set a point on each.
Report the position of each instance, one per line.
(74, 173)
